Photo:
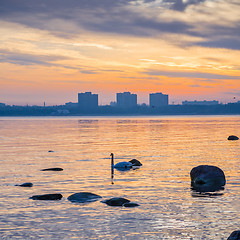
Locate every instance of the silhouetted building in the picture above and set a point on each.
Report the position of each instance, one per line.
(87, 101)
(214, 102)
(158, 99)
(126, 100)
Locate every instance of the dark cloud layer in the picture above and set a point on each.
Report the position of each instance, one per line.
(94, 15)
(110, 16)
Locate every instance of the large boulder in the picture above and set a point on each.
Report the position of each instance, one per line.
(207, 178)
(83, 197)
(234, 236)
(233, 137)
(52, 196)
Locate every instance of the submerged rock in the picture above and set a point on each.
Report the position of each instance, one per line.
(207, 178)
(52, 169)
(130, 204)
(83, 197)
(27, 184)
(116, 201)
(234, 236)
(53, 196)
(232, 137)
(135, 162)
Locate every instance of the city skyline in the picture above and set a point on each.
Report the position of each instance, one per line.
(128, 99)
(52, 49)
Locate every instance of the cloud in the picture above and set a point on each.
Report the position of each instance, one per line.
(89, 72)
(228, 43)
(205, 76)
(233, 93)
(217, 22)
(195, 86)
(181, 5)
(28, 59)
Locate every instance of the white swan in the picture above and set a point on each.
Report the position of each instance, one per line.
(122, 166)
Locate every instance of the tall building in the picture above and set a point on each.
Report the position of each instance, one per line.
(158, 99)
(126, 100)
(87, 101)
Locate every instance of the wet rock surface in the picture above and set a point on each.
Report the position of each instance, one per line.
(53, 196)
(27, 184)
(135, 162)
(116, 201)
(207, 178)
(83, 197)
(130, 204)
(233, 137)
(52, 169)
(234, 235)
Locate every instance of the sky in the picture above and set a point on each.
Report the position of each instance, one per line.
(52, 49)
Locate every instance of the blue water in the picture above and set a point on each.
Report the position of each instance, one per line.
(168, 147)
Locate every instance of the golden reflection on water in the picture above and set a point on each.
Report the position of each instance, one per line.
(168, 147)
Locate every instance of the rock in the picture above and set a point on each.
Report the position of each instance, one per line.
(50, 151)
(54, 196)
(130, 204)
(135, 162)
(207, 178)
(83, 197)
(27, 184)
(52, 169)
(116, 201)
(232, 137)
(234, 236)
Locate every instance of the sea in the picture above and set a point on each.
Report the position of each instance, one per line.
(168, 148)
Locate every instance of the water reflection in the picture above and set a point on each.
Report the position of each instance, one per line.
(206, 194)
(168, 148)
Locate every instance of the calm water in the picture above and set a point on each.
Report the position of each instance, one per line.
(168, 147)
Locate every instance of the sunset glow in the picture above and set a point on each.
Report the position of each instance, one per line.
(51, 50)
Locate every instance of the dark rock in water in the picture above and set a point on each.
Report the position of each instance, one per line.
(52, 169)
(54, 196)
(27, 184)
(232, 137)
(234, 236)
(50, 151)
(83, 197)
(116, 201)
(130, 204)
(135, 162)
(207, 178)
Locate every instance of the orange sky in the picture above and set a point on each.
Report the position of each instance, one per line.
(190, 52)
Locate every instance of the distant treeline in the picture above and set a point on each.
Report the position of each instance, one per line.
(65, 110)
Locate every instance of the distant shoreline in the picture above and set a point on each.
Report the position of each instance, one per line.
(119, 115)
(171, 110)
